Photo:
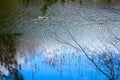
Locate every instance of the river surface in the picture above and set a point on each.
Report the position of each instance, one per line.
(42, 57)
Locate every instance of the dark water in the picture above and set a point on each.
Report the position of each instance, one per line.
(29, 49)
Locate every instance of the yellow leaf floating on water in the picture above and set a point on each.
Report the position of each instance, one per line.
(44, 17)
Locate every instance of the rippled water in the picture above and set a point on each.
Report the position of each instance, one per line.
(41, 57)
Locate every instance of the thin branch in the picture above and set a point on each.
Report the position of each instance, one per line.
(113, 10)
(63, 42)
(118, 70)
(88, 56)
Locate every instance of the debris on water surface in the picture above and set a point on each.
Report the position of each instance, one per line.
(44, 17)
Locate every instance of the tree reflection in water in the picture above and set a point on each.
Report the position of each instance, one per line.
(7, 56)
(9, 69)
